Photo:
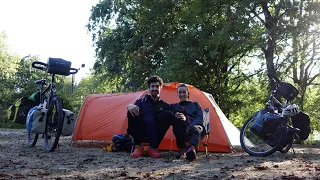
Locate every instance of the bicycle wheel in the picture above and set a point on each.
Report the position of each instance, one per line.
(53, 125)
(32, 138)
(256, 146)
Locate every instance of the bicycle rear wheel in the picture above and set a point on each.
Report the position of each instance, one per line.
(32, 138)
(257, 146)
(53, 125)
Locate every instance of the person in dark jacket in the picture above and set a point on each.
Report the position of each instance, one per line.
(150, 118)
(187, 124)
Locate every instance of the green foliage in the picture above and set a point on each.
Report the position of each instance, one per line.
(26, 76)
(8, 64)
(195, 42)
(221, 47)
(312, 105)
(252, 97)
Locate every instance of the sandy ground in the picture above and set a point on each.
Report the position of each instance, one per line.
(17, 161)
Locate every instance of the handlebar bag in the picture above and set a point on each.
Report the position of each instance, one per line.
(58, 66)
(287, 91)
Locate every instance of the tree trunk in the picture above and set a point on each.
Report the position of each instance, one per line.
(270, 24)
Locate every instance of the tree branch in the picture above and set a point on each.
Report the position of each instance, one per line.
(312, 79)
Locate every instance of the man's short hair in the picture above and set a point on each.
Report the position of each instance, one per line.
(153, 79)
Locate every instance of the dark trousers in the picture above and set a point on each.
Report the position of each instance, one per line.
(152, 131)
(193, 135)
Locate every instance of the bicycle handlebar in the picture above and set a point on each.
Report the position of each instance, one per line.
(36, 63)
(43, 66)
(74, 70)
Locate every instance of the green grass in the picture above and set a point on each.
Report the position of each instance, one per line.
(313, 139)
(11, 125)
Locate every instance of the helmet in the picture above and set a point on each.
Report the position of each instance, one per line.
(290, 110)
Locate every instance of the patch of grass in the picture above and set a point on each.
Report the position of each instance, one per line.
(313, 139)
(11, 125)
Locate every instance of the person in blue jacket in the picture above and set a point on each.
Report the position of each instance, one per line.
(149, 118)
(187, 124)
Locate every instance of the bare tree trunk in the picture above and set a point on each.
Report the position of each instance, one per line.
(271, 25)
(304, 55)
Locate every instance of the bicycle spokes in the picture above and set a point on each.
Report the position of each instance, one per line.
(54, 125)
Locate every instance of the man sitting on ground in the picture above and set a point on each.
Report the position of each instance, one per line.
(149, 118)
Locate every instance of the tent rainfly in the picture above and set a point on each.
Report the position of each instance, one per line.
(104, 115)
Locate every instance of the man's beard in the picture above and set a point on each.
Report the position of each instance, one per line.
(155, 94)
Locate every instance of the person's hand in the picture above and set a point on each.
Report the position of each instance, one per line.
(143, 99)
(181, 116)
(134, 110)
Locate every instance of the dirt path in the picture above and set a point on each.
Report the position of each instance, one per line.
(17, 161)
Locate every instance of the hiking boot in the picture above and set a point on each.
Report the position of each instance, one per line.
(138, 152)
(152, 152)
(191, 153)
(180, 154)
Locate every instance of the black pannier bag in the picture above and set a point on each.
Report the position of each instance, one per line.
(302, 121)
(58, 66)
(287, 91)
(18, 112)
(273, 139)
(265, 123)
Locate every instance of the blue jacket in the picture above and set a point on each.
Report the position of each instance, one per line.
(151, 110)
(192, 111)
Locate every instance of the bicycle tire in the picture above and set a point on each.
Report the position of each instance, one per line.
(54, 124)
(32, 138)
(254, 145)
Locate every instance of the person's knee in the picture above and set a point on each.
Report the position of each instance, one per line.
(196, 129)
(199, 128)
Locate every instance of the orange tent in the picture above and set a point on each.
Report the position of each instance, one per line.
(104, 115)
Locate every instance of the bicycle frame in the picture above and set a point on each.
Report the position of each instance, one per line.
(273, 101)
(50, 87)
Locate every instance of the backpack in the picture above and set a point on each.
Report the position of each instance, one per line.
(122, 142)
(19, 110)
(302, 122)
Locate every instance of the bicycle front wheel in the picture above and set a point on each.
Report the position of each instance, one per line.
(53, 125)
(257, 146)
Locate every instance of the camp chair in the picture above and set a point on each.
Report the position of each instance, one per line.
(206, 125)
